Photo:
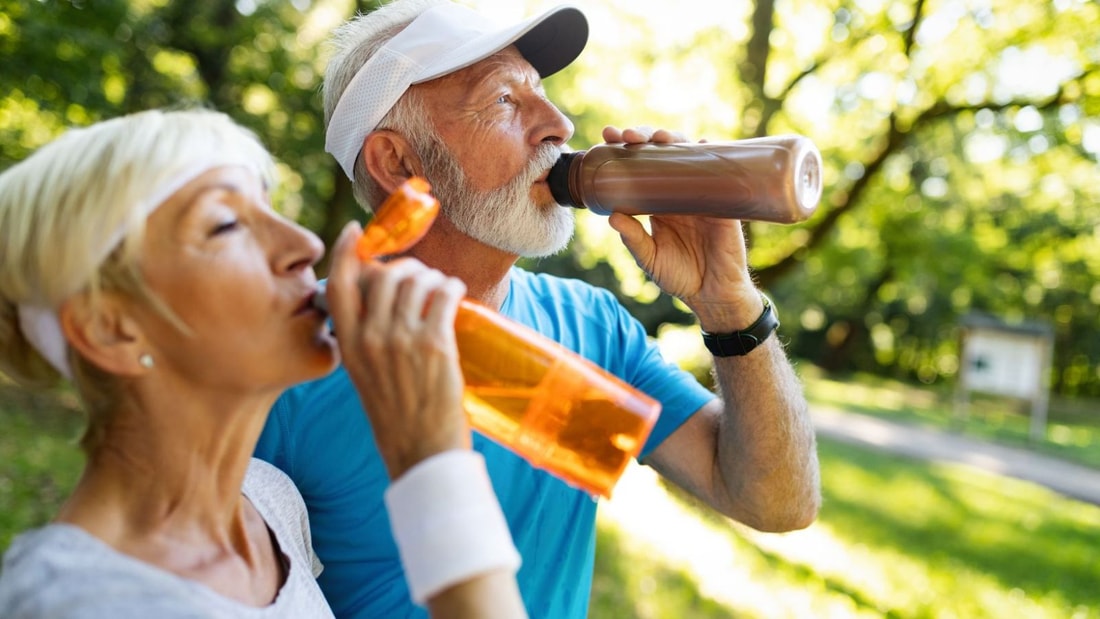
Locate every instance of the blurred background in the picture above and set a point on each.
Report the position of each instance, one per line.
(960, 141)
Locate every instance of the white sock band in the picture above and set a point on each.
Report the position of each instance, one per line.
(448, 524)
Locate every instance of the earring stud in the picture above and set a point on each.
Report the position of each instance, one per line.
(146, 360)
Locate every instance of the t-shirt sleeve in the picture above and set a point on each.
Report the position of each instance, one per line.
(635, 357)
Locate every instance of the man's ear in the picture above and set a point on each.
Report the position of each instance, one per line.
(105, 333)
(390, 159)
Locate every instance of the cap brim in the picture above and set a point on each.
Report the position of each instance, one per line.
(549, 42)
(555, 41)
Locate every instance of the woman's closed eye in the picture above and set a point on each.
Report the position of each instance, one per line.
(225, 226)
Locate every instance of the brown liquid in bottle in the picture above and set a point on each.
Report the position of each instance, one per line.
(773, 179)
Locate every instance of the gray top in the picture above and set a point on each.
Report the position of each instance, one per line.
(62, 572)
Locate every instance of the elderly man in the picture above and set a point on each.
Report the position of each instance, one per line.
(432, 88)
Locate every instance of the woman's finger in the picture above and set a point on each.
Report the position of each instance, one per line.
(342, 287)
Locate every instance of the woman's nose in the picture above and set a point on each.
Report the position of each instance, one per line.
(298, 248)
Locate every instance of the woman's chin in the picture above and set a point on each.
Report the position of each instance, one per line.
(321, 359)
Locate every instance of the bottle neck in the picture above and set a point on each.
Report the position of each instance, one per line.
(558, 179)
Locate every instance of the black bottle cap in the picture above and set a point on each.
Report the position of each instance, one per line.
(558, 179)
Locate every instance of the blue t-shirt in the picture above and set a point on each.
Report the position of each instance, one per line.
(318, 434)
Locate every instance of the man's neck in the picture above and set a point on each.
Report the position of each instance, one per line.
(482, 268)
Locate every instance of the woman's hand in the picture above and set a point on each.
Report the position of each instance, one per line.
(395, 326)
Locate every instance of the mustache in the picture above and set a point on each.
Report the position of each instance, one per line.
(545, 157)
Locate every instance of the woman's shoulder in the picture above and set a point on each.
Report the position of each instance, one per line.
(61, 571)
(51, 552)
(278, 501)
(273, 494)
(265, 479)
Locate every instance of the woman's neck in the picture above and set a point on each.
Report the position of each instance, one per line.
(169, 468)
(164, 486)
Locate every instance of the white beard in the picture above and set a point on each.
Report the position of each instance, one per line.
(506, 218)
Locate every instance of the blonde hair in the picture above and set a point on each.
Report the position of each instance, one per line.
(355, 42)
(72, 218)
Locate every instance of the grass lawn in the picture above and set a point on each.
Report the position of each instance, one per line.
(896, 538)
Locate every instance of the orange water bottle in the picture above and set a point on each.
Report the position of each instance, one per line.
(559, 411)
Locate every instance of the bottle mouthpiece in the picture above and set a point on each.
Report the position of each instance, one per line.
(319, 300)
(558, 180)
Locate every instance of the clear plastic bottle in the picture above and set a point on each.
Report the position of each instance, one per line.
(556, 409)
(774, 179)
(559, 411)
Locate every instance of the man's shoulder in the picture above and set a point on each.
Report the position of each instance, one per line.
(304, 417)
(331, 390)
(549, 289)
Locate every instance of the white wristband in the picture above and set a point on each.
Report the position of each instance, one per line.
(447, 523)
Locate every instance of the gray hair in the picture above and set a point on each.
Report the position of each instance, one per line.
(353, 44)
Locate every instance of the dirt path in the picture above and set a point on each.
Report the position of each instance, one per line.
(1073, 480)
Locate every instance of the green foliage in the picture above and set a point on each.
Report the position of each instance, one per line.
(978, 202)
(960, 143)
(72, 63)
(39, 459)
(960, 147)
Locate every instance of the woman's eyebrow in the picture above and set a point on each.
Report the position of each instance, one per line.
(196, 197)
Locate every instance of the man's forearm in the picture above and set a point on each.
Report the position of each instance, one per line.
(766, 456)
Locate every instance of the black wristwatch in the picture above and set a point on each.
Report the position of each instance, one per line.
(743, 342)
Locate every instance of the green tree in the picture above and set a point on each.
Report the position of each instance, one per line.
(70, 63)
(960, 142)
(960, 147)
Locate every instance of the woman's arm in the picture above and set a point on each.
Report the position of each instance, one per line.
(395, 326)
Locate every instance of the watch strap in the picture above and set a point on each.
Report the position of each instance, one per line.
(739, 343)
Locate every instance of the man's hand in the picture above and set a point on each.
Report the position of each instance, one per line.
(700, 260)
(750, 455)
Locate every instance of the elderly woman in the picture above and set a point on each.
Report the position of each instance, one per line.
(142, 260)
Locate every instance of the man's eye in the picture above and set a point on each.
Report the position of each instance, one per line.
(504, 99)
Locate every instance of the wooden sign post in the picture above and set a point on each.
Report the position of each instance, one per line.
(1005, 359)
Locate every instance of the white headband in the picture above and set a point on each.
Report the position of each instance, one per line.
(442, 40)
(41, 325)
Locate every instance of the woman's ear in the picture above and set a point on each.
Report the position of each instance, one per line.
(105, 333)
(390, 159)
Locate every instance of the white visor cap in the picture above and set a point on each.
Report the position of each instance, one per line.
(442, 40)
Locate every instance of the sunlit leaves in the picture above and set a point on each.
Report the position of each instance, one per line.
(960, 141)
